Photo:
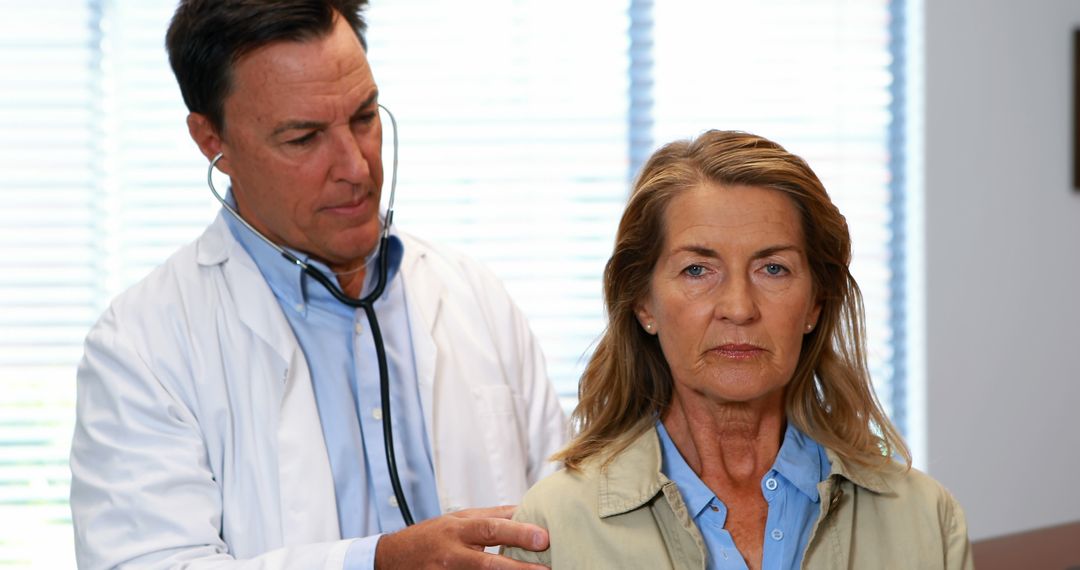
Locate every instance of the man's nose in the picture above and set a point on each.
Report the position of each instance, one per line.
(350, 161)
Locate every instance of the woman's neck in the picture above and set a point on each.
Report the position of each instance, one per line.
(730, 446)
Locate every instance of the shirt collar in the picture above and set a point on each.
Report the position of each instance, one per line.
(694, 492)
(288, 280)
(801, 461)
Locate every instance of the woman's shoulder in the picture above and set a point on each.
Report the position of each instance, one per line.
(900, 511)
(600, 514)
(891, 480)
(625, 475)
(907, 493)
(561, 502)
(567, 493)
(913, 485)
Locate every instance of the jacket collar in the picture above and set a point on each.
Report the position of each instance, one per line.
(633, 477)
(864, 477)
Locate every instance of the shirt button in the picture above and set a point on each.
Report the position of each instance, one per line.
(359, 328)
(393, 502)
(376, 413)
(777, 534)
(770, 484)
(299, 307)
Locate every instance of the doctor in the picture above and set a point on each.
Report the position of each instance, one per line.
(228, 406)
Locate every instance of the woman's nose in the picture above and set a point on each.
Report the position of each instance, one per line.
(735, 301)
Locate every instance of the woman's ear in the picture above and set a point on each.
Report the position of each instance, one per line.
(644, 315)
(812, 316)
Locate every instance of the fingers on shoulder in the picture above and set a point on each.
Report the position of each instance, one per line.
(536, 559)
(500, 512)
(501, 532)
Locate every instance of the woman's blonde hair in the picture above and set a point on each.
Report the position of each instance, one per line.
(627, 382)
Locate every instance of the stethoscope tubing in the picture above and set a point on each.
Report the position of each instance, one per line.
(367, 303)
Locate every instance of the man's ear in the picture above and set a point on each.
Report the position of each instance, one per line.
(208, 139)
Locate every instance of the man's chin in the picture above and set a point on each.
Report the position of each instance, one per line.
(352, 253)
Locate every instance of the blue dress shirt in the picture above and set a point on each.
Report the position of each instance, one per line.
(336, 341)
(790, 489)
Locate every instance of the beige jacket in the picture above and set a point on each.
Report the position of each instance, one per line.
(629, 515)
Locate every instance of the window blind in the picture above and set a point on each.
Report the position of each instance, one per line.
(49, 273)
(513, 146)
(155, 197)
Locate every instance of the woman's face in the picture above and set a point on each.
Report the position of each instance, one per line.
(731, 294)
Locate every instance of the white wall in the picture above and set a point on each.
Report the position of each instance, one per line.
(1002, 261)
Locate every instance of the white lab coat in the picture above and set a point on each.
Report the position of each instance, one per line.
(198, 440)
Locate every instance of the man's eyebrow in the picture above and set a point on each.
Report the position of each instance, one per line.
(363, 108)
(316, 125)
(297, 126)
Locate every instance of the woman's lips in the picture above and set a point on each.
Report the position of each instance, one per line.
(738, 351)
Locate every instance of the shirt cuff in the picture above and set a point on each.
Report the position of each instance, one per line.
(361, 553)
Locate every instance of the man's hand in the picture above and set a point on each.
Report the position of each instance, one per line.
(457, 540)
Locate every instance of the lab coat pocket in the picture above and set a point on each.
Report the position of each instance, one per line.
(501, 419)
(495, 400)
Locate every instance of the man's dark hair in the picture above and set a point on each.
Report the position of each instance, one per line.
(206, 37)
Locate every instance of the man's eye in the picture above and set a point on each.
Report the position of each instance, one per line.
(301, 141)
(365, 118)
(695, 270)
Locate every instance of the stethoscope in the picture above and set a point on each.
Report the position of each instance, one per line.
(366, 303)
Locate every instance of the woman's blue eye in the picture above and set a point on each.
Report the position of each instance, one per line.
(695, 271)
(774, 269)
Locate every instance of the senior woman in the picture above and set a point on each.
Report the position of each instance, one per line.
(727, 418)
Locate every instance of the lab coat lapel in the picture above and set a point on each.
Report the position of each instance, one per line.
(305, 482)
(255, 303)
(308, 503)
(424, 297)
